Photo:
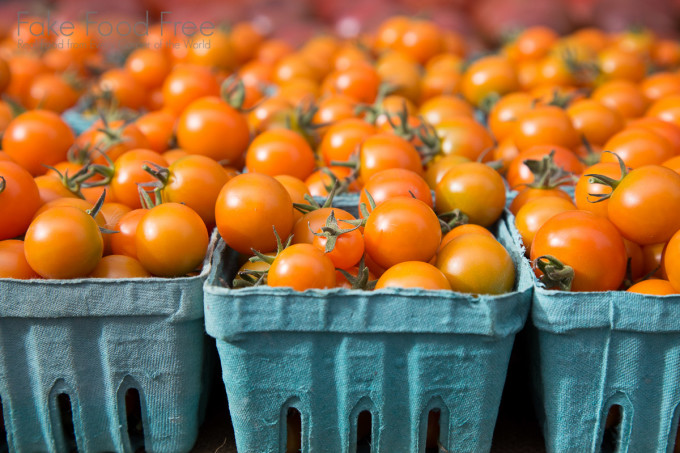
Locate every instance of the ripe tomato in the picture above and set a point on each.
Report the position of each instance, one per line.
(125, 89)
(421, 41)
(51, 188)
(622, 96)
(19, 200)
(148, 67)
(402, 229)
(441, 108)
(477, 264)
(533, 193)
(218, 53)
(671, 261)
(532, 43)
(342, 282)
(464, 137)
(466, 228)
(590, 245)
(359, 81)
(669, 131)
(505, 112)
(129, 173)
(201, 129)
(297, 189)
(654, 287)
(544, 125)
(174, 155)
(35, 138)
(620, 64)
(395, 182)
(63, 242)
(380, 152)
(413, 274)
(636, 259)
(51, 92)
(594, 120)
(159, 233)
(519, 174)
(13, 262)
(114, 139)
(343, 138)
(584, 188)
(638, 147)
(535, 213)
(645, 205)
(125, 241)
(301, 267)
(488, 75)
(158, 127)
(119, 266)
(280, 152)
(660, 85)
(475, 189)
(348, 249)
(652, 256)
(196, 181)
(438, 167)
(401, 71)
(313, 221)
(333, 109)
(187, 83)
(248, 206)
(271, 113)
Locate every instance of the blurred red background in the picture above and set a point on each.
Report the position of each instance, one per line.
(295, 21)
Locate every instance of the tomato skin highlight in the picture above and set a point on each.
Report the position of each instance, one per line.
(591, 245)
(301, 267)
(171, 240)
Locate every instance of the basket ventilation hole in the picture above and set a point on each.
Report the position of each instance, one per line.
(294, 431)
(66, 418)
(612, 429)
(4, 444)
(135, 426)
(433, 429)
(364, 430)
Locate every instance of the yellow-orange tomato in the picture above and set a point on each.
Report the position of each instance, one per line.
(171, 240)
(488, 75)
(654, 287)
(464, 137)
(467, 228)
(13, 262)
(535, 213)
(413, 274)
(594, 120)
(119, 266)
(477, 264)
(63, 242)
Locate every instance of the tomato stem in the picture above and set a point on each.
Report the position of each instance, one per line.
(606, 181)
(361, 281)
(555, 273)
(331, 231)
(450, 220)
(3, 184)
(547, 174)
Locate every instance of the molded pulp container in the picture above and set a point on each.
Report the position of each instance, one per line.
(93, 340)
(595, 350)
(332, 354)
(77, 121)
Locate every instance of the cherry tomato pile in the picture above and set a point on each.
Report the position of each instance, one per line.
(241, 135)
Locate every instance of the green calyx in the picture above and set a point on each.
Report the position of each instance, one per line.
(606, 181)
(95, 211)
(3, 184)
(431, 142)
(449, 220)
(313, 205)
(373, 111)
(361, 280)
(248, 278)
(77, 181)
(331, 231)
(547, 174)
(555, 273)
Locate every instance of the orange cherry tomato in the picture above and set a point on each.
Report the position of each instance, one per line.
(171, 240)
(653, 287)
(584, 188)
(51, 92)
(187, 83)
(297, 189)
(653, 260)
(201, 129)
(544, 125)
(619, 64)
(445, 107)
(63, 242)
(36, 138)
(477, 264)
(623, 96)
(158, 128)
(488, 75)
(280, 152)
(148, 67)
(248, 206)
(343, 139)
(359, 81)
(129, 172)
(301, 267)
(402, 229)
(124, 242)
(589, 244)
(519, 174)
(119, 266)
(504, 113)
(638, 147)
(535, 213)
(594, 121)
(660, 85)
(475, 189)
(19, 200)
(439, 166)
(125, 89)
(348, 249)
(13, 262)
(533, 193)
(413, 274)
(669, 131)
(464, 137)
(380, 152)
(313, 221)
(319, 182)
(467, 228)
(395, 182)
(671, 259)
